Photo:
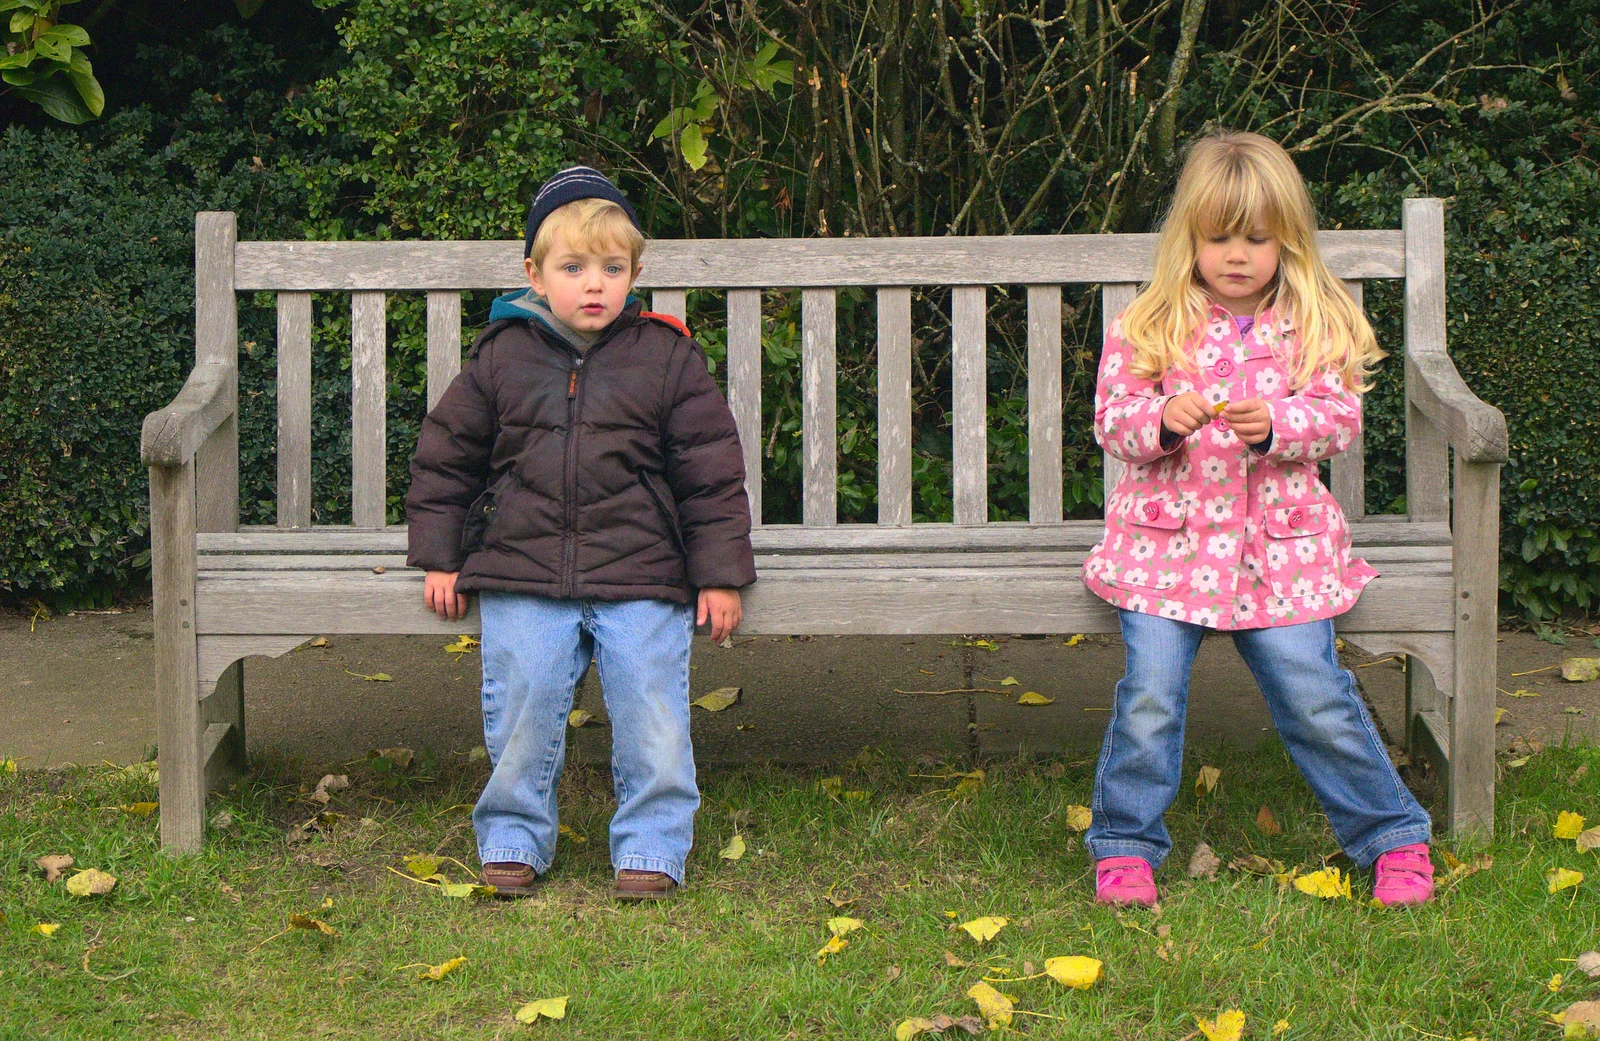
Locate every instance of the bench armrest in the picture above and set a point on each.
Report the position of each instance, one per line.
(173, 434)
(1474, 428)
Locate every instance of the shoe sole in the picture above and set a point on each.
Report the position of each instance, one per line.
(635, 896)
(511, 892)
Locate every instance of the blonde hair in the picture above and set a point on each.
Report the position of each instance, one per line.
(593, 224)
(1238, 183)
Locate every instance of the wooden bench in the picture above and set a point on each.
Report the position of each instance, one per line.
(224, 591)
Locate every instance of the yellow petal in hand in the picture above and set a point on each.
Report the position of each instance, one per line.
(1075, 971)
(984, 929)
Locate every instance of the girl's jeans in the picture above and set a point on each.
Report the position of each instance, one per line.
(535, 651)
(1314, 704)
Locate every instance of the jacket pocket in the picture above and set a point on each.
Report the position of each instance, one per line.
(1152, 551)
(480, 518)
(1300, 558)
(661, 495)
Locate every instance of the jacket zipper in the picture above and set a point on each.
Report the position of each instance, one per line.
(569, 563)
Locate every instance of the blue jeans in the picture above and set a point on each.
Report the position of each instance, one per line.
(535, 651)
(1314, 704)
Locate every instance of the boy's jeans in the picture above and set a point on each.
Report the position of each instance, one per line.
(1314, 704)
(535, 651)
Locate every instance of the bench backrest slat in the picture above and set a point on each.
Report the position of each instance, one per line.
(294, 410)
(1113, 298)
(1348, 469)
(894, 407)
(368, 391)
(444, 342)
(1427, 451)
(1044, 404)
(969, 387)
(744, 385)
(819, 420)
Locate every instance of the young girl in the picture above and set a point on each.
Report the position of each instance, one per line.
(1239, 367)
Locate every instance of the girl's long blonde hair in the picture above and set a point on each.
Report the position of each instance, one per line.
(1236, 182)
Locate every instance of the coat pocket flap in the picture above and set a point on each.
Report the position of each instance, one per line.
(1157, 513)
(1292, 522)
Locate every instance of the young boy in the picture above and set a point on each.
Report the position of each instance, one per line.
(583, 476)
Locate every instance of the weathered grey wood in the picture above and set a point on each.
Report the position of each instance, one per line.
(1044, 404)
(1375, 532)
(1432, 739)
(216, 340)
(1475, 523)
(172, 581)
(819, 424)
(368, 396)
(171, 436)
(894, 406)
(822, 600)
(764, 263)
(444, 342)
(1114, 299)
(1348, 468)
(222, 720)
(969, 367)
(1427, 452)
(744, 386)
(217, 654)
(294, 410)
(1473, 427)
(670, 301)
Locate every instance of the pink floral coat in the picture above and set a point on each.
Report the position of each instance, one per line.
(1210, 530)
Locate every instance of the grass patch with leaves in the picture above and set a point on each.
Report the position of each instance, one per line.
(203, 946)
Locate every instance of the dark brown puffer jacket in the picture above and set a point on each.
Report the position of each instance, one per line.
(611, 475)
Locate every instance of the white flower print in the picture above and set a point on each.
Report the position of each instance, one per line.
(1279, 608)
(1208, 355)
(1292, 450)
(1318, 449)
(1315, 603)
(1115, 332)
(1178, 547)
(1303, 587)
(1296, 418)
(1251, 564)
(1152, 435)
(1222, 545)
(1295, 485)
(1269, 492)
(1220, 437)
(1215, 394)
(1218, 329)
(1214, 469)
(1329, 582)
(1205, 616)
(1136, 576)
(1184, 470)
(1241, 353)
(1277, 556)
(1143, 548)
(1172, 609)
(1267, 382)
(1244, 608)
(1305, 550)
(1139, 471)
(1219, 509)
(1166, 579)
(1130, 442)
(1138, 603)
(1205, 578)
(1111, 365)
(1343, 437)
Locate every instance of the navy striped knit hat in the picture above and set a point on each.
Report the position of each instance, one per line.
(570, 185)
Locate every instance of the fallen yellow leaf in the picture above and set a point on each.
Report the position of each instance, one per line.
(465, 890)
(1207, 780)
(1266, 823)
(138, 809)
(1589, 839)
(833, 786)
(92, 882)
(1556, 879)
(1033, 697)
(569, 833)
(46, 928)
(1521, 692)
(844, 926)
(1009, 681)
(1581, 1019)
(735, 848)
(719, 699)
(464, 645)
(8, 765)
(400, 756)
(1327, 884)
(54, 864)
(1073, 640)
(1499, 714)
(1079, 817)
(439, 972)
(1227, 1027)
(548, 1008)
(1568, 825)
(1075, 971)
(1280, 1027)
(1580, 670)
(305, 921)
(993, 1005)
(910, 1028)
(423, 866)
(578, 717)
(1555, 983)
(376, 677)
(834, 945)
(984, 929)
(321, 641)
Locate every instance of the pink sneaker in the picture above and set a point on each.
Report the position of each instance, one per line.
(1124, 880)
(1405, 876)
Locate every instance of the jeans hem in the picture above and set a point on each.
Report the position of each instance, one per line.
(515, 856)
(1369, 852)
(1101, 849)
(635, 862)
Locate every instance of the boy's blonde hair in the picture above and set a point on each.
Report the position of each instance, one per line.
(592, 224)
(1237, 182)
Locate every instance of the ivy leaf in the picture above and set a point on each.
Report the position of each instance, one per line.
(424, 867)
(844, 926)
(692, 142)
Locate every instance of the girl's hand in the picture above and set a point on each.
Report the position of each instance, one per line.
(439, 593)
(722, 607)
(1186, 413)
(1250, 420)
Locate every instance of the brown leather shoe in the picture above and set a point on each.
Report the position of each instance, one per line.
(510, 879)
(643, 885)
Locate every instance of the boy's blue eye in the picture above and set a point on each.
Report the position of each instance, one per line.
(614, 269)
(573, 269)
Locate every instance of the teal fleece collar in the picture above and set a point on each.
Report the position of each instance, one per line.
(530, 306)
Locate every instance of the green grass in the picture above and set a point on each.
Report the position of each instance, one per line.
(732, 957)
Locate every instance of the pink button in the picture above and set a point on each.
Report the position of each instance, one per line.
(1296, 518)
(1151, 511)
(1224, 367)
(1222, 424)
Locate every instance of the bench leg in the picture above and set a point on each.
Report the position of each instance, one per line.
(222, 714)
(1427, 715)
(1475, 530)
(179, 733)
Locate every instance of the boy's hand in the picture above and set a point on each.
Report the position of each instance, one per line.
(723, 609)
(1186, 413)
(439, 593)
(1250, 420)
